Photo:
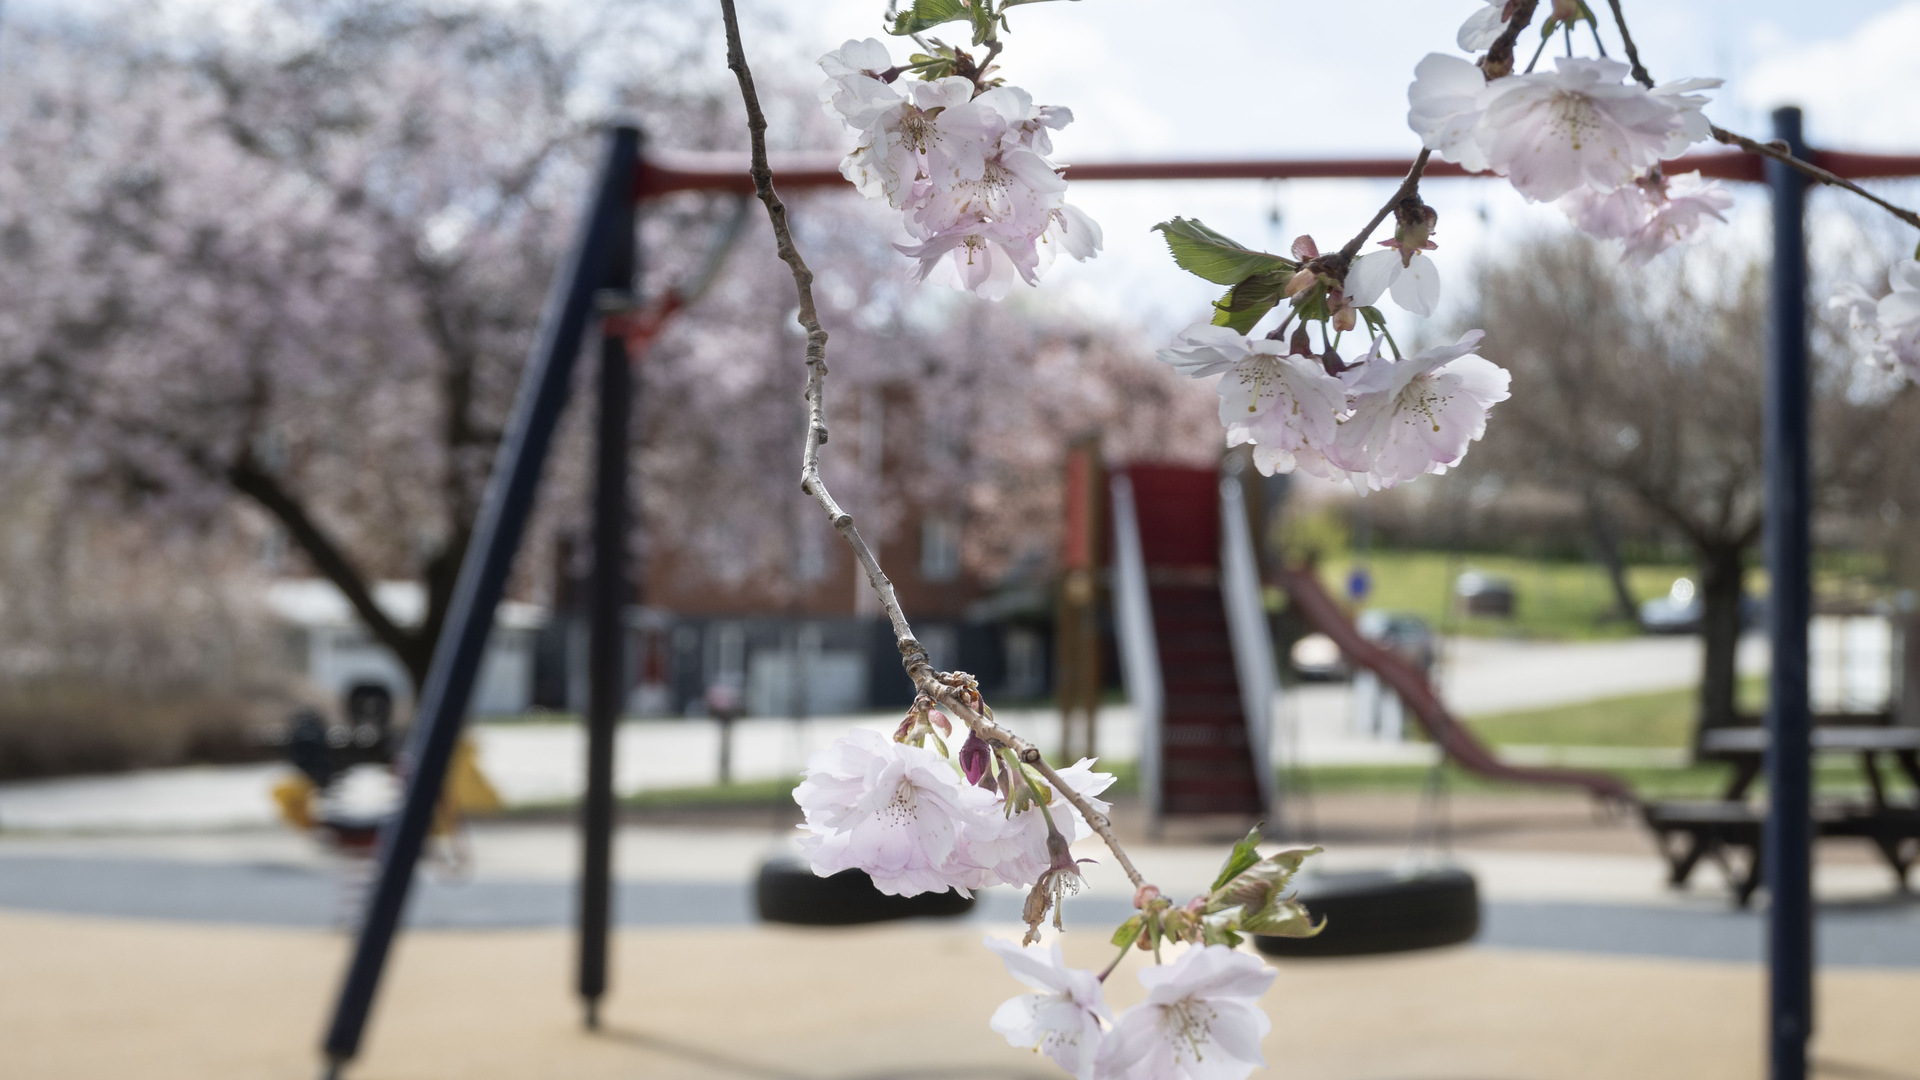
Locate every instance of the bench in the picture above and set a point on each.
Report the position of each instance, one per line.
(1730, 833)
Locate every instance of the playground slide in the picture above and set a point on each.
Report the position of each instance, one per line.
(1310, 598)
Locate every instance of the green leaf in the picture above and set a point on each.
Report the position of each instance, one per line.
(1248, 302)
(1258, 893)
(1129, 931)
(983, 22)
(1285, 918)
(1218, 927)
(1243, 855)
(927, 14)
(1375, 321)
(1209, 255)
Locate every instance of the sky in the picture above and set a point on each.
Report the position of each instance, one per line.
(1157, 79)
(1171, 79)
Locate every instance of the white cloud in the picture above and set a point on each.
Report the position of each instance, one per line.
(1859, 91)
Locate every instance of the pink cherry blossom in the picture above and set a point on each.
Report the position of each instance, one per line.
(1018, 855)
(1062, 1021)
(896, 811)
(1888, 329)
(1287, 405)
(1582, 125)
(969, 171)
(986, 259)
(1201, 1021)
(1417, 415)
(1649, 216)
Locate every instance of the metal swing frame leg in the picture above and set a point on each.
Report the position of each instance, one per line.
(483, 573)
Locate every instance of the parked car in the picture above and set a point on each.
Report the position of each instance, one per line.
(1316, 658)
(1408, 635)
(1484, 594)
(1678, 612)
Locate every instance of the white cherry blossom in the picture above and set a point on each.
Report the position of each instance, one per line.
(1201, 1021)
(1062, 1021)
(1017, 187)
(1483, 27)
(1018, 855)
(896, 811)
(1580, 125)
(1649, 217)
(1287, 405)
(1887, 329)
(1417, 415)
(1413, 280)
(853, 92)
(1446, 101)
(1694, 125)
(986, 259)
(1027, 124)
(1070, 230)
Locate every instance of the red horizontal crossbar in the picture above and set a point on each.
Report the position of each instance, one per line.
(728, 172)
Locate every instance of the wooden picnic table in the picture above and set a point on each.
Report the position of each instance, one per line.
(1689, 830)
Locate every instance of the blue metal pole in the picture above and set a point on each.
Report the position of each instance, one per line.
(606, 652)
(1788, 850)
(483, 574)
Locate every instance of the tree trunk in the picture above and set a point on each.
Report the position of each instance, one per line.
(1607, 545)
(1721, 568)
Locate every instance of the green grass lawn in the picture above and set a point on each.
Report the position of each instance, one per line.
(1663, 720)
(1564, 600)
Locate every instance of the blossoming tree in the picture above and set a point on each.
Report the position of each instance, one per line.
(962, 156)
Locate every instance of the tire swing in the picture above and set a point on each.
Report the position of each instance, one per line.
(1424, 903)
(1383, 911)
(788, 891)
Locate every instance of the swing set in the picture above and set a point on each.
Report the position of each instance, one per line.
(594, 287)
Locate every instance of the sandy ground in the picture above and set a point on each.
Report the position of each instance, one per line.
(98, 998)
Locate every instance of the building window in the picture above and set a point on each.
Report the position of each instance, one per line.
(939, 549)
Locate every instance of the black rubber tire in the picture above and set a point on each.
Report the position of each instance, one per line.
(788, 891)
(1383, 911)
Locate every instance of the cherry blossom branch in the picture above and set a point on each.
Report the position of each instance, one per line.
(1810, 170)
(1499, 58)
(955, 692)
(1407, 187)
(1633, 51)
(1772, 150)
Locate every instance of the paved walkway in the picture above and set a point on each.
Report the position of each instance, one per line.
(536, 763)
(98, 998)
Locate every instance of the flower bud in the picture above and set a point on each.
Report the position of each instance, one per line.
(1300, 282)
(1413, 228)
(1568, 11)
(1300, 344)
(1145, 895)
(975, 756)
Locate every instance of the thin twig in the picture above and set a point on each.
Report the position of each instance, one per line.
(956, 693)
(1809, 169)
(1499, 59)
(1407, 187)
(1754, 146)
(1626, 39)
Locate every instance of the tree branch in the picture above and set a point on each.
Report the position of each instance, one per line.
(1809, 169)
(1774, 151)
(956, 692)
(260, 486)
(1407, 187)
(1633, 51)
